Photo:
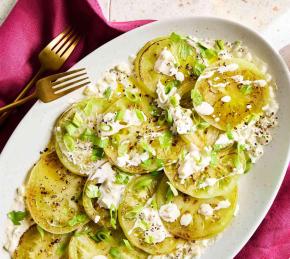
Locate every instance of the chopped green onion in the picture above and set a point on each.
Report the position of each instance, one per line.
(119, 115)
(246, 89)
(132, 214)
(17, 216)
(40, 231)
(88, 108)
(172, 188)
(169, 195)
(170, 85)
(92, 191)
(77, 219)
(165, 139)
(141, 184)
(149, 239)
(203, 125)
(147, 147)
(122, 178)
(183, 154)
(220, 44)
(159, 163)
(127, 244)
(86, 135)
(198, 68)
(196, 97)
(114, 252)
(102, 235)
(154, 111)
(133, 97)
(144, 224)
(169, 117)
(102, 142)
(113, 216)
(77, 120)
(108, 93)
(140, 115)
(105, 127)
(155, 173)
(69, 142)
(229, 132)
(70, 129)
(154, 204)
(97, 153)
(174, 100)
(213, 158)
(217, 147)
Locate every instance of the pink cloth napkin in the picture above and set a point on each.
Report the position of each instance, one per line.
(33, 23)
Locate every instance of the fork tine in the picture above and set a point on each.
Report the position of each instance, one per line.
(54, 42)
(64, 92)
(57, 82)
(68, 51)
(70, 41)
(61, 43)
(59, 87)
(57, 76)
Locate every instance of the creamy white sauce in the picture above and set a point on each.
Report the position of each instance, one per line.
(226, 99)
(163, 100)
(227, 68)
(208, 182)
(14, 232)
(195, 161)
(204, 109)
(165, 63)
(185, 219)
(206, 209)
(169, 212)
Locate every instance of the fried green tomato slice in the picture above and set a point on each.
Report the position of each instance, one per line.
(140, 145)
(53, 196)
(199, 218)
(230, 92)
(138, 229)
(146, 75)
(94, 240)
(76, 141)
(39, 244)
(218, 178)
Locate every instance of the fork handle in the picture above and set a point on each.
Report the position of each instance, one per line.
(17, 103)
(4, 115)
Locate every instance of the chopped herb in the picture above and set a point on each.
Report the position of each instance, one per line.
(69, 142)
(140, 115)
(17, 216)
(92, 191)
(77, 219)
(108, 93)
(40, 231)
(87, 135)
(165, 139)
(246, 89)
(113, 216)
(119, 115)
(127, 244)
(114, 252)
(198, 68)
(154, 111)
(141, 184)
(229, 132)
(101, 142)
(88, 108)
(147, 147)
(122, 178)
(77, 120)
(196, 97)
(174, 100)
(97, 153)
(70, 129)
(170, 85)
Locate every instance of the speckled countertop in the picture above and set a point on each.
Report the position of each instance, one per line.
(267, 16)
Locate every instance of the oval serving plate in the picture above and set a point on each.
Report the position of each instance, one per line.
(257, 189)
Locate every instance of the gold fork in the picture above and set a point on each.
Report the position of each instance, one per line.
(52, 57)
(54, 87)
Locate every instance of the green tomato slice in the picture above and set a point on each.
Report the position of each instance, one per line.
(222, 169)
(200, 226)
(156, 141)
(76, 137)
(242, 84)
(53, 196)
(93, 240)
(34, 245)
(136, 195)
(146, 58)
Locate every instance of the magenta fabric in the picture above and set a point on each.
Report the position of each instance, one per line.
(33, 23)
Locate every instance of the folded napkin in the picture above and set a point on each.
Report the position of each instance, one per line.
(33, 23)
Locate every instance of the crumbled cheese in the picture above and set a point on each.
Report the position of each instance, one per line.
(103, 173)
(179, 76)
(208, 182)
(163, 98)
(131, 118)
(185, 219)
(226, 99)
(222, 205)
(204, 109)
(169, 212)
(165, 64)
(97, 219)
(223, 140)
(182, 122)
(206, 209)
(194, 162)
(132, 159)
(124, 68)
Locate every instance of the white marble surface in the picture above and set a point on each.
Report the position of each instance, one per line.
(267, 16)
